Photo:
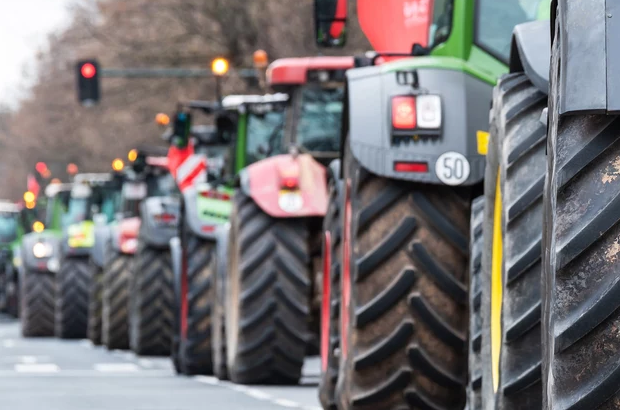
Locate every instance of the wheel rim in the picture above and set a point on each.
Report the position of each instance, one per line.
(326, 301)
(496, 286)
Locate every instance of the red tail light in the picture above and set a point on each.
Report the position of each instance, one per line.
(165, 217)
(421, 167)
(403, 112)
(208, 228)
(215, 195)
(289, 183)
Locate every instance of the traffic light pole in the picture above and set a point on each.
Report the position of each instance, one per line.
(168, 73)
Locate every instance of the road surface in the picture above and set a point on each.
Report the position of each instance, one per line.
(54, 374)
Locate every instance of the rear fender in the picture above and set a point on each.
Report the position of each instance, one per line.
(531, 52)
(102, 236)
(204, 215)
(160, 220)
(465, 102)
(589, 56)
(262, 182)
(124, 236)
(30, 262)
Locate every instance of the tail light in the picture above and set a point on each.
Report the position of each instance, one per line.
(215, 195)
(165, 217)
(289, 182)
(416, 112)
(420, 167)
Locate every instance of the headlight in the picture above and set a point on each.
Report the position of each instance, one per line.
(42, 250)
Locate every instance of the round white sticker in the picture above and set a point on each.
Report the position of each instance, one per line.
(290, 202)
(452, 168)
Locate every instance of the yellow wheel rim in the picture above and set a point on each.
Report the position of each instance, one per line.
(496, 285)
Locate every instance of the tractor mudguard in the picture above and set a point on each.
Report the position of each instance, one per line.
(589, 56)
(124, 235)
(263, 180)
(49, 262)
(78, 239)
(464, 109)
(531, 53)
(204, 215)
(97, 253)
(160, 220)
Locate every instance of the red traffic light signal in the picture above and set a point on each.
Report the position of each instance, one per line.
(41, 167)
(87, 72)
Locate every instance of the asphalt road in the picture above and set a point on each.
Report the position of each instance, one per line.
(52, 374)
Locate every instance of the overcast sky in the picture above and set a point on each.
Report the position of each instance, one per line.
(24, 26)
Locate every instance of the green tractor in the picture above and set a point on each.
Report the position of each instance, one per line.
(221, 152)
(40, 262)
(412, 161)
(74, 279)
(11, 232)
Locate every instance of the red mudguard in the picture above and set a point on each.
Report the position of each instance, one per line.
(272, 177)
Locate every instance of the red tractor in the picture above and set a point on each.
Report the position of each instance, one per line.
(274, 245)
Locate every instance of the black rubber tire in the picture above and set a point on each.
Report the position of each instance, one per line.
(476, 244)
(195, 356)
(37, 292)
(268, 296)
(517, 152)
(218, 326)
(581, 294)
(333, 225)
(73, 282)
(407, 315)
(115, 312)
(152, 298)
(95, 306)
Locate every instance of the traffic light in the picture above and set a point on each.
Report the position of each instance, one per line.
(88, 82)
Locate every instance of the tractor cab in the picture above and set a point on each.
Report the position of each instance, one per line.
(315, 86)
(9, 223)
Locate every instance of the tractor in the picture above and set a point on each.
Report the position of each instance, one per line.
(129, 257)
(411, 162)
(243, 123)
(273, 262)
(74, 279)
(548, 305)
(40, 262)
(11, 232)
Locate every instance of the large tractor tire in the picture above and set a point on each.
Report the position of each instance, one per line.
(511, 344)
(330, 310)
(95, 306)
(581, 295)
(73, 283)
(115, 311)
(152, 298)
(268, 296)
(476, 245)
(12, 291)
(404, 293)
(37, 303)
(194, 355)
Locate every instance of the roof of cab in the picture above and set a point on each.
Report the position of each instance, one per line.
(294, 70)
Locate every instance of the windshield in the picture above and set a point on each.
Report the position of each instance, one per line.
(264, 135)
(442, 22)
(77, 212)
(160, 185)
(318, 128)
(496, 19)
(8, 227)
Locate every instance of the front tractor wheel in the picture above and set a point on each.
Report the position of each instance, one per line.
(73, 283)
(404, 294)
(115, 312)
(268, 296)
(152, 296)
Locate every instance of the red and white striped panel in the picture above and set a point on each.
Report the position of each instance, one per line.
(193, 170)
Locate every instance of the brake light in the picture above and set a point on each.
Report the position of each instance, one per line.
(165, 217)
(289, 182)
(404, 112)
(208, 228)
(215, 195)
(420, 167)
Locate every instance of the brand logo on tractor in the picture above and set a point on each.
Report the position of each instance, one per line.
(416, 12)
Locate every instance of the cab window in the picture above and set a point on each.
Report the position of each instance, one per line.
(318, 128)
(265, 134)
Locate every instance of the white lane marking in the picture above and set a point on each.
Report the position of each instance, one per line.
(116, 367)
(257, 394)
(146, 363)
(87, 344)
(37, 368)
(207, 380)
(8, 343)
(28, 359)
(287, 403)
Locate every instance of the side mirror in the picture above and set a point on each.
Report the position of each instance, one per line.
(330, 22)
(181, 129)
